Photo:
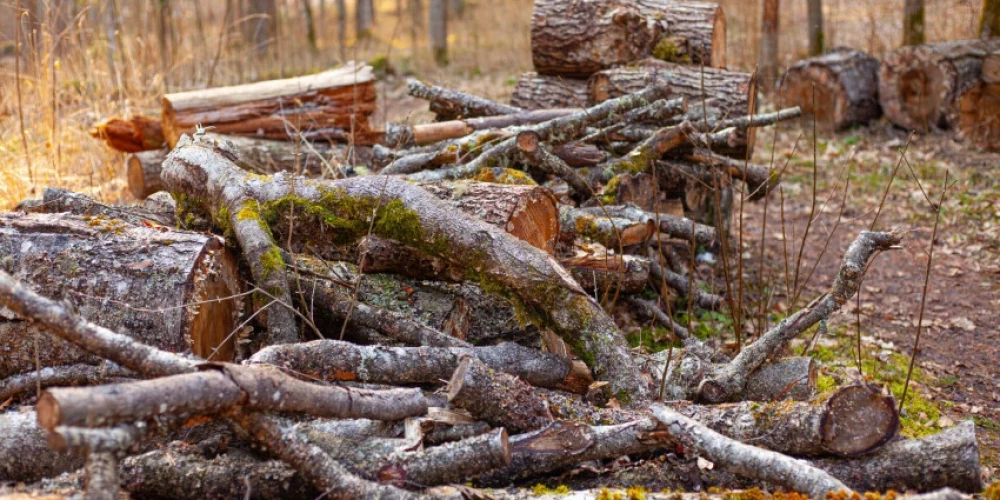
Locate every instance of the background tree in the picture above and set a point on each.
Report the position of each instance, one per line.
(817, 37)
(914, 32)
(989, 21)
(260, 29)
(439, 31)
(364, 18)
(769, 44)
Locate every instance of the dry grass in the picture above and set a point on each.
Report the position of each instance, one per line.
(78, 76)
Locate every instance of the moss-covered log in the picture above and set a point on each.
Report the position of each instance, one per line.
(580, 38)
(332, 106)
(342, 211)
(135, 279)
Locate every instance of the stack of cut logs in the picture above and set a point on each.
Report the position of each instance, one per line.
(950, 85)
(312, 307)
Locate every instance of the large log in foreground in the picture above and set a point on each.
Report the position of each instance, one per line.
(578, 38)
(840, 88)
(332, 106)
(134, 278)
(920, 87)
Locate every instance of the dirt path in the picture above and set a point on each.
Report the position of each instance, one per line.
(960, 346)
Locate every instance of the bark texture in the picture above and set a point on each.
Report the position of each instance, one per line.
(58, 200)
(496, 398)
(580, 38)
(979, 108)
(125, 277)
(535, 91)
(24, 453)
(452, 105)
(845, 82)
(333, 106)
(920, 87)
(334, 360)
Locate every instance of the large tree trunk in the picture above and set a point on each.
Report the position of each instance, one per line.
(534, 91)
(920, 87)
(979, 108)
(330, 106)
(845, 83)
(128, 278)
(579, 38)
(769, 44)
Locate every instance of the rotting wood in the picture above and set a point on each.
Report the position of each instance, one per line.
(577, 39)
(496, 398)
(920, 87)
(127, 277)
(132, 135)
(334, 360)
(332, 106)
(839, 88)
(411, 216)
(535, 91)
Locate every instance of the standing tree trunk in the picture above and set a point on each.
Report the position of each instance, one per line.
(769, 44)
(259, 29)
(342, 29)
(817, 37)
(913, 23)
(989, 20)
(307, 14)
(163, 18)
(364, 18)
(439, 31)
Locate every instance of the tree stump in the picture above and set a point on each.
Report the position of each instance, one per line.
(170, 289)
(582, 37)
(920, 87)
(845, 82)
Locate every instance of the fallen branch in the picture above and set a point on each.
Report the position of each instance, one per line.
(746, 460)
(333, 360)
(450, 104)
(62, 375)
(677, 227)
(496, 398)
(539, 156)
(730, 380)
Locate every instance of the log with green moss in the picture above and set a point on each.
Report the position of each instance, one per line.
(257, 208)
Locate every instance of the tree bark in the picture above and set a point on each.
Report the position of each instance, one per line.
(333, 106)
(580, 38)
(949, 458)
(792, 379)
(333, 360)
(58, 200)
(817, 36)
(535, 91)
(845, 82)
(989, 19)
(450, 104)
(102, 477)
(142, 170)
(671, 225)
(136, 287)
(138, 133)
(61, 376)
(914, 31)
(216, 390)
(25, 456)
(602, 274)
(920, 87)
(260, 27)
(439, 31)
(499, 399)
(769, 44)
(746, 460)
(411, 216)
(612, 232)
(529, 213)
(364, 18)
(979, 108)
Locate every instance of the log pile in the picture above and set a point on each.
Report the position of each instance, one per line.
(839, 88)
(448, 318)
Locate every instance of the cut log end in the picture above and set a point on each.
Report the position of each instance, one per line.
(536, 221)
(979, 115)
(143, 173)
(858, 419)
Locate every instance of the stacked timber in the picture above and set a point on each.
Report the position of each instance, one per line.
(979, 107)
(839, 89)
(923, 87)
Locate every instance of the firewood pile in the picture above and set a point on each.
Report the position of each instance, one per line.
(304, 305)
(940, 86)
